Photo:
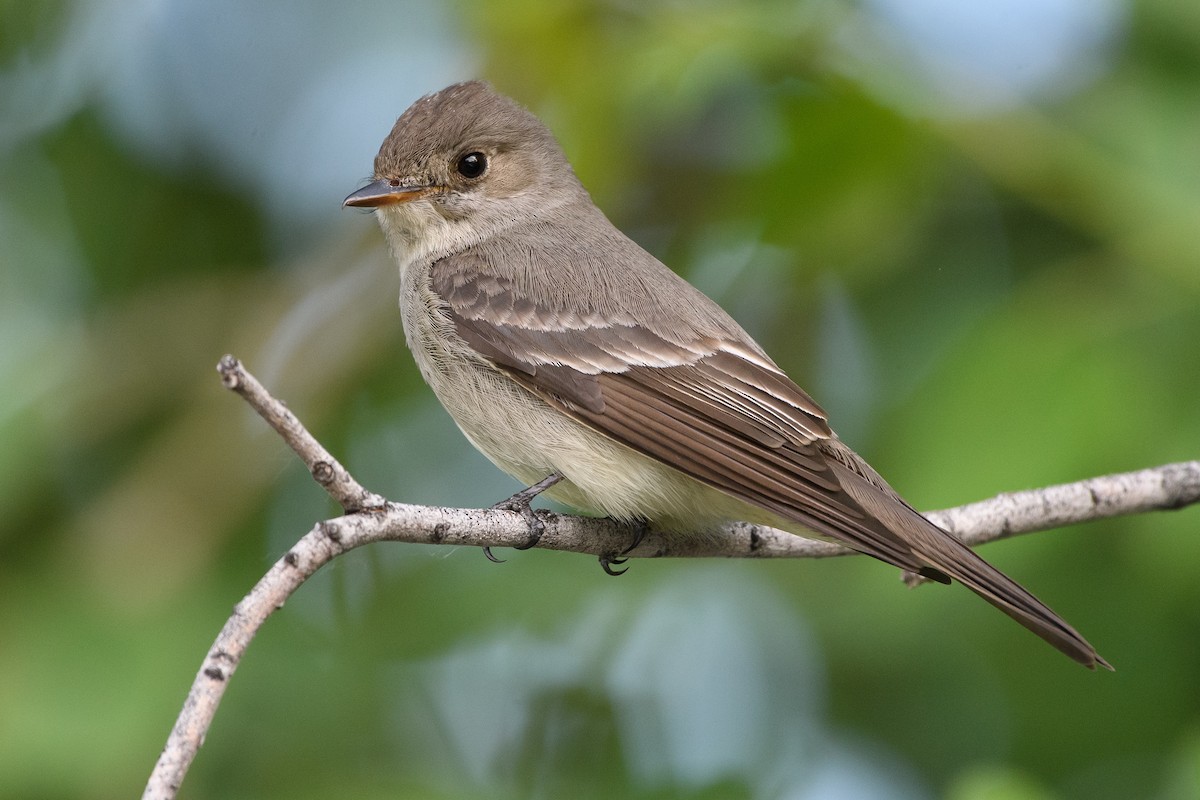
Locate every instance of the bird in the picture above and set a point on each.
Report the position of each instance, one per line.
(581, 365)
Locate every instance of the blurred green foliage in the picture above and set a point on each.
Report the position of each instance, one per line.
(985, 300)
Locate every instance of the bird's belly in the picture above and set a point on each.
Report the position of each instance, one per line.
(527, 438)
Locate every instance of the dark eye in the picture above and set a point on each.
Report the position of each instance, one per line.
(472, 165)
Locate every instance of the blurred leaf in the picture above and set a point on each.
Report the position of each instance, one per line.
(182, 222)
(996, 783)
(1183, 778)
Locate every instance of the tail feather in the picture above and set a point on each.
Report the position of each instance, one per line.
(945, 554)
(961, 563)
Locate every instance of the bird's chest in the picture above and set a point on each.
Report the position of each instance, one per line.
(496, 414)
(446, 362)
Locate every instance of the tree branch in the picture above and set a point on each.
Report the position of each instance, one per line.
(370, 518)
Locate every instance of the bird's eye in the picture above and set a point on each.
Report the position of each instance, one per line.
(472, 165)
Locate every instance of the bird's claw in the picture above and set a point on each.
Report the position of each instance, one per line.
(607, 562)
(520, 503)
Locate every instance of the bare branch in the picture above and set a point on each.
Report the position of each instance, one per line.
(325, 469)
(372, 519)
(1165, 488)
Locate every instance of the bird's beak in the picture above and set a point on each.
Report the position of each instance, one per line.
(383, 193)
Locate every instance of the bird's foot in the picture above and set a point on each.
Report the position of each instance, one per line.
(607, 562)
(521, 504)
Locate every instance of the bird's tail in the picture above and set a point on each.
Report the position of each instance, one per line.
(946, 556)
(961, 563)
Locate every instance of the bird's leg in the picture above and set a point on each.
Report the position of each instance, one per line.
(520, 503)
(640, 528)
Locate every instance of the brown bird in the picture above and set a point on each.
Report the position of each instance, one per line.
(581, 365)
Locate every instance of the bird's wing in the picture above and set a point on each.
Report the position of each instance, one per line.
(720, 412)
(711, 408)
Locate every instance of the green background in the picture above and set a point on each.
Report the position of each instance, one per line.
(990, 288)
